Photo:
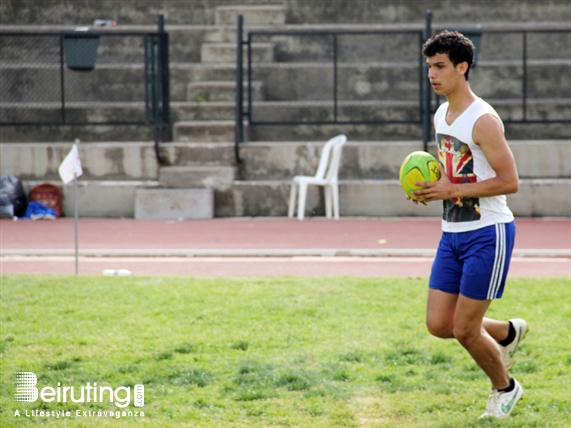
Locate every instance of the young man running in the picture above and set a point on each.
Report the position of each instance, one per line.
(472, 260)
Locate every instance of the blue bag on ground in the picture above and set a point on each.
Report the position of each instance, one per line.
(37, 211)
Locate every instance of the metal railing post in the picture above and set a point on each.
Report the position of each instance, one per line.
(426, 129)
(165, 77)
(249, 112)
(238, 130)
(158, 90)
(524, 77)
(61, 78)
(335, 59)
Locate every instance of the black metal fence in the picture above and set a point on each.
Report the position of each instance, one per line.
(341, 77)
(81, 78)
(316, 84)
(328, 77)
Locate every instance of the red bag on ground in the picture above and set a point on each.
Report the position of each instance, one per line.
(49, 195)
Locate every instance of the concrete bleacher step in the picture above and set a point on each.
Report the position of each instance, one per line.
(379, 198)
(381, 159)
(217, 177)
(254, 15)
(183, 73)
(114, 172)
(356, 198)
(226, 52)
(298, 81)
(359, 160)
(397, 43)
(113, 161)
(222, 91)
(199, 154)
(112, 111)
(274, 111)
(185, 43)
(202, 111)
(205, 131)
(313, 81)
(302, 11)
(131, 161)
(211, 115)
(391, 132)
(161, 204)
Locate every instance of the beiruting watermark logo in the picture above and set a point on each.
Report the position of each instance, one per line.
(28, 392)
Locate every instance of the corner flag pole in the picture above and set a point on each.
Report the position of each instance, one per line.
(76, 208)
(76, 217)
(69, 170)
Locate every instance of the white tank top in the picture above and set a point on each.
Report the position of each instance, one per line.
(465, 162)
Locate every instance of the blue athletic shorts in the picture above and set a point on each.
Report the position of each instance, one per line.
(474, 264)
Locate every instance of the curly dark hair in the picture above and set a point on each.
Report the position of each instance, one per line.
(458, 47)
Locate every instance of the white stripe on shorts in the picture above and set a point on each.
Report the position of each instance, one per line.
(499, 262)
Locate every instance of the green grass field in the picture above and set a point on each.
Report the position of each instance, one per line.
(279, 352)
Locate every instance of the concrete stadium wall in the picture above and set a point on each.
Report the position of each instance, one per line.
(202, 12)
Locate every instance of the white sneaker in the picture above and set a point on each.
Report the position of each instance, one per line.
(501, 404)
(508, 352)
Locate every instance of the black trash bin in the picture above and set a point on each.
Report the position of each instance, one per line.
(81, 50)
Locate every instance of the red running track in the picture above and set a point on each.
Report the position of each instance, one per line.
(543, 246)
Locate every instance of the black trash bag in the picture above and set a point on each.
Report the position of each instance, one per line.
(13, 201)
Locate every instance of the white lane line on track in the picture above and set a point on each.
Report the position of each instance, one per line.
(309, 259)
(253, 252)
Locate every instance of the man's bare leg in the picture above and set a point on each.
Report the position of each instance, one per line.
(440, 317)
(470, 332)
(440, 311)
(497, 329)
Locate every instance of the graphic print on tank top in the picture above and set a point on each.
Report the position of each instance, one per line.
(458, 162)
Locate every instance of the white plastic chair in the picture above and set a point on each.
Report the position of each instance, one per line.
(326, 176)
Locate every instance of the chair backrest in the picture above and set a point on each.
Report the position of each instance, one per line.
(330, 158)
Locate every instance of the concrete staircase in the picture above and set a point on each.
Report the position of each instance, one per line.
(201, 180)
(188, 189)
(197, 183)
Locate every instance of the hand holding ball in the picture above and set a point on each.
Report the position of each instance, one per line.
(418, 167)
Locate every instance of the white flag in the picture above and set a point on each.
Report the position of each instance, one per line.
(71, 165)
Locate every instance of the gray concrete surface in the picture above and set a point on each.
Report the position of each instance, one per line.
(297, 11)
(151, 204)
(262, 160)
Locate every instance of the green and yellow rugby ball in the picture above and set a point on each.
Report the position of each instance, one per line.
(418, 167)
